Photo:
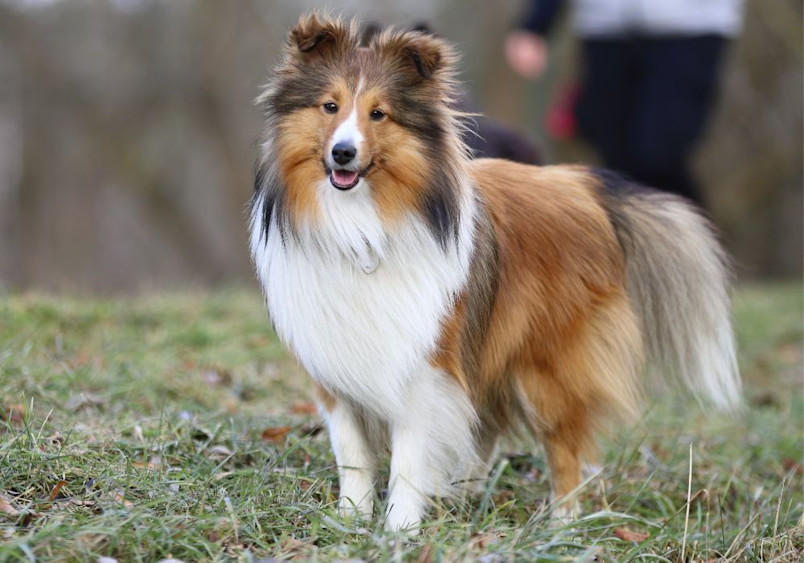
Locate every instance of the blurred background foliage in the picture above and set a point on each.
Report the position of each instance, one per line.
(128, 132)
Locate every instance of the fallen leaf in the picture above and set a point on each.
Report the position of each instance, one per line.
(627, 535)
(791, 465)
(304, 407)
(482, 541)
(275, 433)
(151, 465)
(119, 497)
(6, 507)
(293, 548)
(56, 490)
(15, 413)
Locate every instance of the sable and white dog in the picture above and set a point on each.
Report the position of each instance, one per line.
(436, 301)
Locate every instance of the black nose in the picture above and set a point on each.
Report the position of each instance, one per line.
(343, 153)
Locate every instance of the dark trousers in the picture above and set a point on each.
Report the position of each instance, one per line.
(644, 104)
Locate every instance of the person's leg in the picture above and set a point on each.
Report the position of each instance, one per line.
(606, 98)
(675, 98)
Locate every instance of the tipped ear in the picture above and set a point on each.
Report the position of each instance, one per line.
(425, 58)
(422, 53)
(317, 37)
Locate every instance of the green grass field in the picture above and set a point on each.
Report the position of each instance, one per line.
(176, 426)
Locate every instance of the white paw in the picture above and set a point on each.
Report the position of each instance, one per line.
(410, 527)
(404, 517)
(565, 512)
(349, 510)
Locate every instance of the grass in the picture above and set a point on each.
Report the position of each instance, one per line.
(175, 426)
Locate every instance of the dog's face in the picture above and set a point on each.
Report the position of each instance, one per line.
(355, 117)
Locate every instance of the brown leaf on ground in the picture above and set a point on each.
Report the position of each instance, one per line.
(56, 490)
(627, 535)
(6, 508)
(119, 497)
(14, 414)
(790, 464)
(297, 549)
(482, 541)
(153, 464)
(275, 433)
(303, 407)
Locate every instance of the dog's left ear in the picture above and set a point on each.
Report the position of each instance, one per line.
(420, 52)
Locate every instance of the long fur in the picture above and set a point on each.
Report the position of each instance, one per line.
(440, 302)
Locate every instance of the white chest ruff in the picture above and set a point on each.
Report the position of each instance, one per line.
(365, 336)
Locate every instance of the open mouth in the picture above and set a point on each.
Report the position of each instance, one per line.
(346, 179)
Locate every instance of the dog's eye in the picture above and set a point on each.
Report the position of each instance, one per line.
(377, 114)
(331, 107)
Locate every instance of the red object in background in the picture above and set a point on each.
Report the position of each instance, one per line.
(559, 122)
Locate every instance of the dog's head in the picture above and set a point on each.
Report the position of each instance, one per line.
(356, 117)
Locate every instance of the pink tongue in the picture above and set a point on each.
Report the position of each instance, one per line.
(344, 177)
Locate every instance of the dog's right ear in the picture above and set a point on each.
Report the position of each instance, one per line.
(318, 38)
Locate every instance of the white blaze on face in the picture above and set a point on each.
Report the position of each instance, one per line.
(348, 132)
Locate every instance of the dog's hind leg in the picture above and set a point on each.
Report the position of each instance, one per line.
(590, 379)
(560, 421)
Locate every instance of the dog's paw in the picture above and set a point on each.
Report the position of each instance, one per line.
(348, 510)
(564, 513)
(407, 527)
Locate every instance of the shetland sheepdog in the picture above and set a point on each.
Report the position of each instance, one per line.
(438, 302)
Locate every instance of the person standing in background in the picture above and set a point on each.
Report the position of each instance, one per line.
(650, 71)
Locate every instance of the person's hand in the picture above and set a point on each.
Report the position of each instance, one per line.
(526, 53)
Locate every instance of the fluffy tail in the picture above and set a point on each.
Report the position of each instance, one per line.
(678, 282)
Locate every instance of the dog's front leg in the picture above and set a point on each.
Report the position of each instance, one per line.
(432, 446)
(353, 454)
(409, 477)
